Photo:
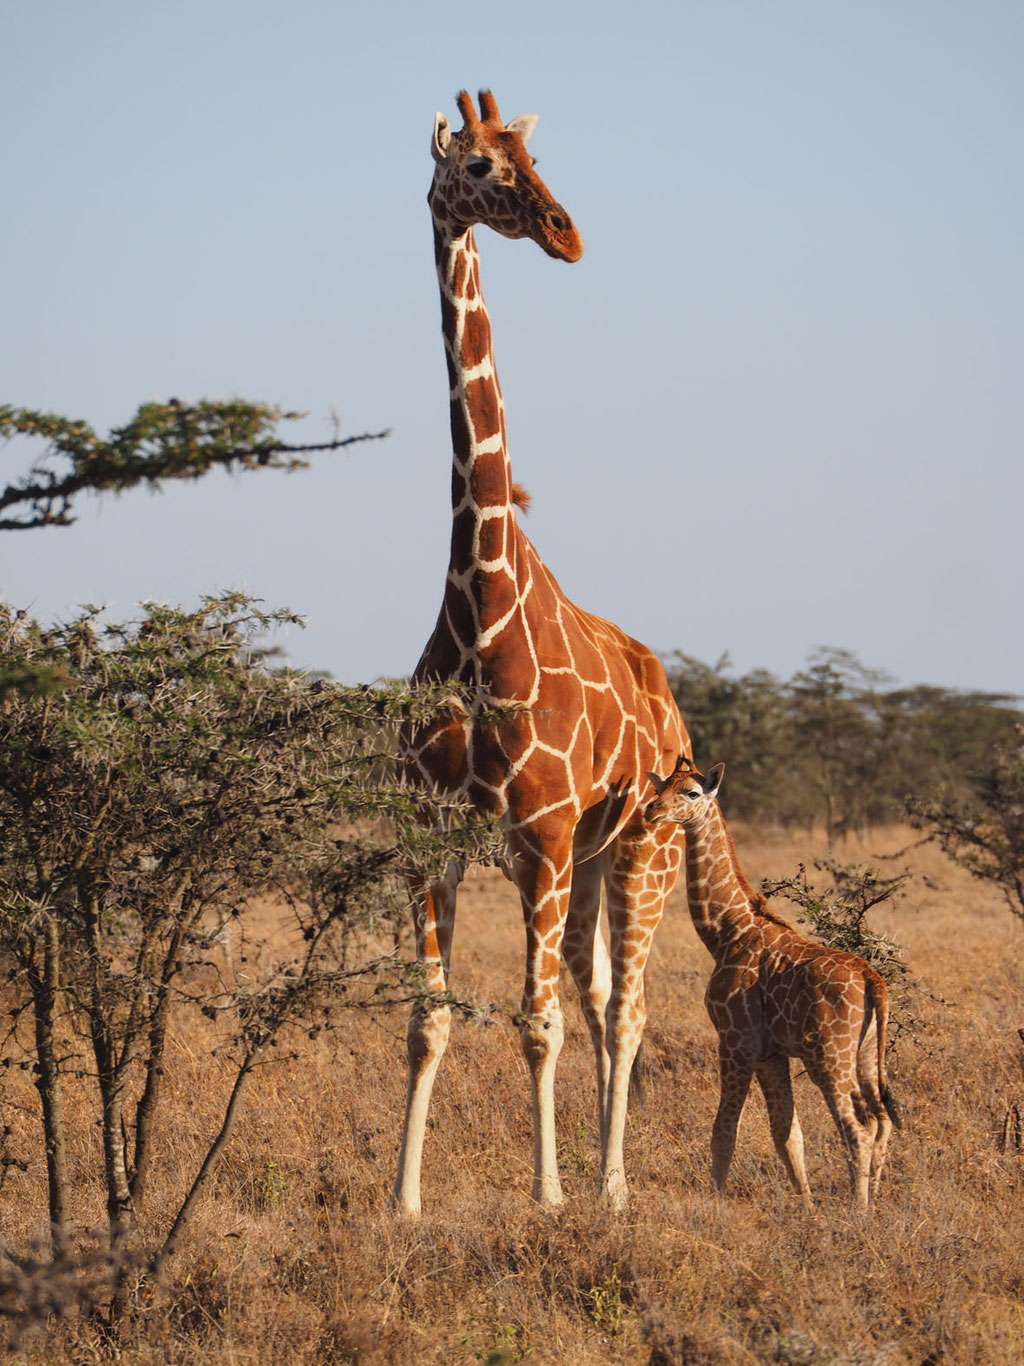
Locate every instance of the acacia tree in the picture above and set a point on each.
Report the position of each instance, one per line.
(983, 830)
(169, 777)
(835, 734)
(172, 440)
(831, 742)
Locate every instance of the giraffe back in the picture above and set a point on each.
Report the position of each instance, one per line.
(812, 1001)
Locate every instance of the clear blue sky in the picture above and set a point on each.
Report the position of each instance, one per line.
(778, 404)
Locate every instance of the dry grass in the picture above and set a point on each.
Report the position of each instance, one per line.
(295, 1258)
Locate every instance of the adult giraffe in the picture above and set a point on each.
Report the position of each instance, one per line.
(566, 776)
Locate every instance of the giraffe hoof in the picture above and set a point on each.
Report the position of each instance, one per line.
(616, 1192)
(398, 1210)
(548, 1195)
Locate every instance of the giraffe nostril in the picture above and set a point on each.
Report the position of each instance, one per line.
(559, 224)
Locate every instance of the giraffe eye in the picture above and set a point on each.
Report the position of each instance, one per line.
(479, 169)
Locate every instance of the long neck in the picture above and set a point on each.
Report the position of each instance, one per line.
(718, 894)
(481, 592)
(481, 479)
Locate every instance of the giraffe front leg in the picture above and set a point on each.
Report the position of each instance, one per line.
(541, 1039)
(544, 882)
(427, 1033)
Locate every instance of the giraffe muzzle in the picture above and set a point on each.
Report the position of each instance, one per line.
(557, 234)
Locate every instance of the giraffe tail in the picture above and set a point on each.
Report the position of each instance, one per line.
(879, 998)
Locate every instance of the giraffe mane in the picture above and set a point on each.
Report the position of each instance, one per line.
(756, 901)
(762, 910)
(520, 497)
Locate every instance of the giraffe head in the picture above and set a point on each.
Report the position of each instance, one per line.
(484, 174)
(685, 796)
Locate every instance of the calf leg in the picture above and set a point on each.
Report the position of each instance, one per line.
(737, 1073)
(773, 1077)
(868, 1066)
(878, 1150)
(857, 1135)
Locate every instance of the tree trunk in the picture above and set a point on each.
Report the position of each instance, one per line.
(45, 994)
(110, 1076)
(146, 1110)
(210, 1161)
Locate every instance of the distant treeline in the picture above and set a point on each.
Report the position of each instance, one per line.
(834, 743)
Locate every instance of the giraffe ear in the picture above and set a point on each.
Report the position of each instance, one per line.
(523, 125)
(442, 137)
(659, 784)
(714, 779)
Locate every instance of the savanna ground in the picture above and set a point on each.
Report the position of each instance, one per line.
(295, 1258)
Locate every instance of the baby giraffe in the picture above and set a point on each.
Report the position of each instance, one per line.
(774, 995)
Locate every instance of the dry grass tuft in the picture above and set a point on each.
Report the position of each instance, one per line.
(295, 1258)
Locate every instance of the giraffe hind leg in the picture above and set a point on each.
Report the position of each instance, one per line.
(773, 1076)
(737, 1074)
(857, 1129)
(879, 1148)
(586, 956)
(879, 1102)
(544, 878)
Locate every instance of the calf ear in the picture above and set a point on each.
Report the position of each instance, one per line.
(714, 779)
(659, 784)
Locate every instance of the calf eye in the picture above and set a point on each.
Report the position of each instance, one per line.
(479, 168)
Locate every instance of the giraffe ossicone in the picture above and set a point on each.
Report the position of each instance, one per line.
(774, 995)
(563, 767)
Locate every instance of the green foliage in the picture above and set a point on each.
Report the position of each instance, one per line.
(170, 775)
(837, 915)
(833, 731)
(833, 743)
(983, 829)
(270, 1186)
(744, 721)
(606, 1306)
(170, 440)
